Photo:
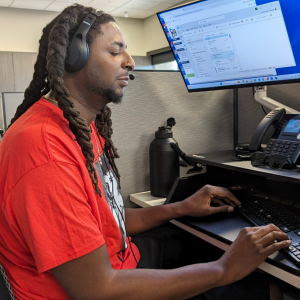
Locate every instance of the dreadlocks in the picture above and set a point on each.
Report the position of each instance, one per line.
(103, 123)
(48, 75)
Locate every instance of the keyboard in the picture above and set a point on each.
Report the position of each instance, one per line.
(262, 211)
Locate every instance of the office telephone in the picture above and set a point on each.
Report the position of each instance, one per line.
(281, 131)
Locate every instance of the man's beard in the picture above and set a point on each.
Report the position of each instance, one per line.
(111, 95)
(107, 93)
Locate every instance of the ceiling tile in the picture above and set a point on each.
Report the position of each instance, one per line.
(144, 14)
(58, 6)
(31, 4)
(140, 4)
(84, 2)
(120, 12)
(106, 9)
(161, 7)
(109, 2)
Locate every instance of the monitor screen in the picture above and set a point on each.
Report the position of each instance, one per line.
(235, 43)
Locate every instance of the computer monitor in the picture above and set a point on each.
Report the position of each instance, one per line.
(221, 44)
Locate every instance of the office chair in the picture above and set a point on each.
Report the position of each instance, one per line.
(6, 292)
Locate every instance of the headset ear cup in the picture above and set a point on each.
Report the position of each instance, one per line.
(87, 53)
(83, 55)
(77, 57)
(73, 55)
(78, 50)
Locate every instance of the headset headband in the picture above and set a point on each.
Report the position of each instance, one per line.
(86, 25)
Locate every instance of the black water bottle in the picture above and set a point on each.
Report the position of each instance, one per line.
(164, 161)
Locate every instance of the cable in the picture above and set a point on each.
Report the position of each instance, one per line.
(263, 109)
(115, 202)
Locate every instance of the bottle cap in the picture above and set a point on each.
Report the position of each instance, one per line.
(164, 133)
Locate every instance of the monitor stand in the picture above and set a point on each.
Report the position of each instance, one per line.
(260, 95)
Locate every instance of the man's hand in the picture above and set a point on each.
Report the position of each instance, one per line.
(199, 204)
(250, 249)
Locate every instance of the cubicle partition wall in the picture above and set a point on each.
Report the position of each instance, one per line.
(10, 102)
(204, 121)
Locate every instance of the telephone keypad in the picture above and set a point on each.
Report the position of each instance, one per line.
(286, 148)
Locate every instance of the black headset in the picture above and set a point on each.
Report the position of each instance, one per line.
(78, 50)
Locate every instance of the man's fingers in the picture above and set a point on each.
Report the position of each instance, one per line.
(222, 201)
(219, 192)
(276, 247)
(263, 230)
(221, 209)
(269, 238)
(218, 201)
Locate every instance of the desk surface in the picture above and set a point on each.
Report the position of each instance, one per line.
(226, 160)
(216, 234)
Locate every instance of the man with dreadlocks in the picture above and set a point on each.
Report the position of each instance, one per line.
(62, 222)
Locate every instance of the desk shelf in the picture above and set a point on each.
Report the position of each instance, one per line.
(226, 160)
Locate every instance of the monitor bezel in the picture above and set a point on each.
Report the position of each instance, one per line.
(221, 87)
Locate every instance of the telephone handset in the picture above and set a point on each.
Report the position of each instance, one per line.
(271, 119)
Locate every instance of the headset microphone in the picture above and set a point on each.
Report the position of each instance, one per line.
(131, 76)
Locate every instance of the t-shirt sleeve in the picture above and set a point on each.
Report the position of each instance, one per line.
(51, 211)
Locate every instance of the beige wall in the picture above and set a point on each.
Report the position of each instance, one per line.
(133, 33)
(20, 30)
(154, 35)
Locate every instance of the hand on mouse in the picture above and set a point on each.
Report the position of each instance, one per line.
(199, 204)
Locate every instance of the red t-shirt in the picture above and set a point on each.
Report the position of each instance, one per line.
(49, 212)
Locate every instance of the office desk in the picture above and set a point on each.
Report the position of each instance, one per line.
(145, 199)
(222, 229)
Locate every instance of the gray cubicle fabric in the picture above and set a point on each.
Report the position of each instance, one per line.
(1, 114)
(204, 120)
(10, 102)
(148, 102)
